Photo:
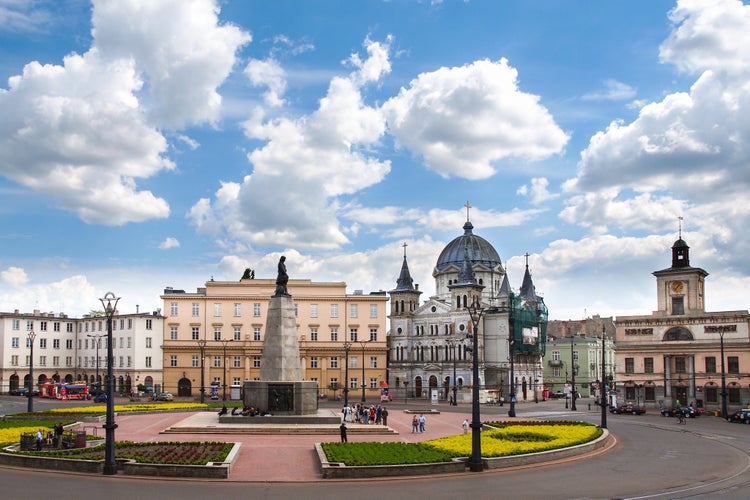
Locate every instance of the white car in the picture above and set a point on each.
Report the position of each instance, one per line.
(165, 396)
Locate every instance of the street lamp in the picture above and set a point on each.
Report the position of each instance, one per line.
(202, 347)
(363, 343)
(224, 342)
(722, 330)
(347, 346)
(475, 461)
(31, 335)
(604, 397)
(406, 391)
(109, 303)
(98, 342)
(572, 376)
(454, 343)
(566, 392)
(512, 348)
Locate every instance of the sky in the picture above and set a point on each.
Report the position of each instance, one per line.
(146, 145)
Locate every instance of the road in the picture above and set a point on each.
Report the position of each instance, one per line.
(654, 458)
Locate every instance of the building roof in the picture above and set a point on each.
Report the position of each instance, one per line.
(479, 250)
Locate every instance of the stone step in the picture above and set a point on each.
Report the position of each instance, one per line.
(279, 429)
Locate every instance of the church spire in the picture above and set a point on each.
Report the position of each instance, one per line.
(528, 291)
(405, 281)
(680, 250)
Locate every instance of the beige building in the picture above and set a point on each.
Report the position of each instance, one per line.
(230, 316)
(675, 352)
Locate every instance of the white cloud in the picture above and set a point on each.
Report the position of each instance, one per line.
(268, 73)
(14, 277)
(462, 120)
(168, 243)
(22, 15)
(537, 191)
(612, 91)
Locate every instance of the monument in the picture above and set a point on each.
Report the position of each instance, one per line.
(281, 390)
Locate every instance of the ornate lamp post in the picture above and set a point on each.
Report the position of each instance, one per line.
(347, 346)
(363, 343)
(572, 377)
(31, 335)
(722, 329)
(512, 348)
(202, 347)
(98, 343)
(566, 392)
(224, 379)
(475, 461)
(602, 389)
(453, 343)
(109, 303)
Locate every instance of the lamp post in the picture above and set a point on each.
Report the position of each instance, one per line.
(202, 347)
(109, 303)
(31, 335)
(347, 346)
(98, 342)
(454, 343)
(722, 329)
(406, 391)
(566, 392)
(363, 343)
(512, 348)
(224, 342)
(603, 385)
(572, 376)
(475, 461)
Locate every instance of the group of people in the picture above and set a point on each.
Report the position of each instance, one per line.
(51, 438)
(418, 423)
(362, 414)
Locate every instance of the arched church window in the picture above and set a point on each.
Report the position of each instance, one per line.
(677, 333)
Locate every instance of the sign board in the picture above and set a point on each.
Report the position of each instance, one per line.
(434, 396)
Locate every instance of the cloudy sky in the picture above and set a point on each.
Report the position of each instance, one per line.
(153, 144)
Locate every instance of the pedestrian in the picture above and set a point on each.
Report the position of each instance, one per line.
(465, 425)
(384, 416)
(378, 414)
(342, 428)
(414, 424)
(39, 439)
(58, 434)
(422, 421)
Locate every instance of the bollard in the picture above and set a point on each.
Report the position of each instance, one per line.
(589, 406)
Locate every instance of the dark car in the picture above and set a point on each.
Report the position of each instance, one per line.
(23, 391)
(557, 395)
(740, 417)
(100, 398)
(688, 411)
(628, 409)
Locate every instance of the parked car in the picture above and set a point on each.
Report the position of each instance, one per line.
(688, 411)
(100, 398)
(740, 417)
(23, 391)
(165, 396)
(557, 395)
(628, 408)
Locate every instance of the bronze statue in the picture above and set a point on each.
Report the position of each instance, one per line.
(249, 274)
(282, 278)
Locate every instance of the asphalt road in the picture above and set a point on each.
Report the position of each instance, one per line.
(654, 458)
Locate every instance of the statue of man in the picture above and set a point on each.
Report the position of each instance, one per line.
(282, 278)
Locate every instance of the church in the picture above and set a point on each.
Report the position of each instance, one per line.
(430, 344)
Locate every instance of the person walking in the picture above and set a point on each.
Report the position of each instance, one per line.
(414, 424)
(422, 421)
(465, 425)
(384, 416)
(39, 439)
(342, 429)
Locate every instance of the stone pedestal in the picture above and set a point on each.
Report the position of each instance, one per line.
(282, 397)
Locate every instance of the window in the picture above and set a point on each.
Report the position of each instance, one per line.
(237, 362)
(130, 324)
(69, 327)
(196, 309)
(256, 309)
(334, 383)
(68, 344)
(353, 362)
(373, 383)
(237, 333)
(148, 342)
(56, 343)
(256, 361)
(629, 365)
(711, 394)
(649, 393)
(56, 326)
(680, 365)
(43, 326)
(16, 324)
(334, 362)
(313, 361)
(173, 308)
(334, 310)
(373, 334)
(314, 334)
(373, 310)
(236, 381)
(217, 309)
(194, 333)
(256, 333)
(733, 366)
(334, 335)
(14, 342)
(353, 334)
(149, 324)
(555, 355)
(353, 309)
(734, 394)
(678, 306)
(313, 310)
(217, 361)
(575, 355)
(648, 365)
(130, 361)
(217, 333)
(556, 371)
(710, 364)
(172, 333)
(29, 325)
(14, 360)
(42, 343)
(122, 362)
(42, 360)
(68, 361)
(130, 342)
(353, 383)
(373, 361)
(237, 310)
(148, 361)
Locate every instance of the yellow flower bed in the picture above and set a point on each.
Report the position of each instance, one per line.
(520, 439)
(13, 435)
(102, 409)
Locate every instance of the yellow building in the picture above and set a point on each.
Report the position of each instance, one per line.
(228, 319)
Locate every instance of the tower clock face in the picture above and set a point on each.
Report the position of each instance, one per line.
(677, 286)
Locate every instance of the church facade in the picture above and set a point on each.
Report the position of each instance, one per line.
(430, 343)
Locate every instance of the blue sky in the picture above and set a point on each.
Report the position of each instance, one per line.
(153, 144)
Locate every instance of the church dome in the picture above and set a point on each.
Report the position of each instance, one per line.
(479, 251)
